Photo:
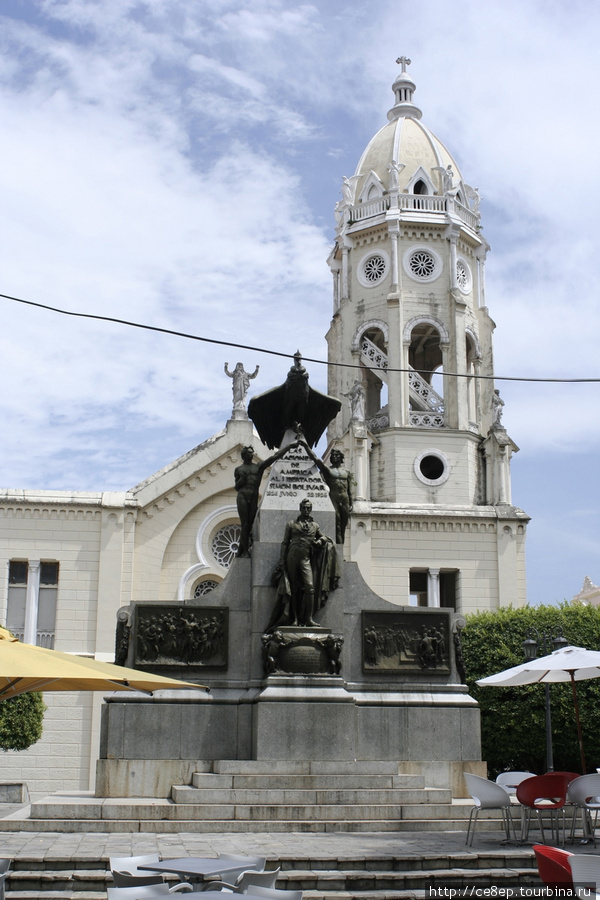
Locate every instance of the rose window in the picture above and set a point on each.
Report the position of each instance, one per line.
(204, 587)
(422, 264)
(374, 269)
(225, 544)
(463, 276)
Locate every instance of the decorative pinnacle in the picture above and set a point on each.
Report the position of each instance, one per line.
(403, 88)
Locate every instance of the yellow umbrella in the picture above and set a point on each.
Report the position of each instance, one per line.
(24, 667)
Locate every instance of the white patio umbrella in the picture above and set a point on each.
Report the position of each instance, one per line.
(567, 664)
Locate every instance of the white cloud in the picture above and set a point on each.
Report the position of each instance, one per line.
(178, 164)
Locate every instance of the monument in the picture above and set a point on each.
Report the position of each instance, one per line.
(303, 659)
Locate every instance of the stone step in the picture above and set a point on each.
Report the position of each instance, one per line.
(308, 782)
(299, 767)
(340, 877)
(96, 881)
(184, 794)
(248, 812)
(326, 879)
(231, 826)
(379, 881)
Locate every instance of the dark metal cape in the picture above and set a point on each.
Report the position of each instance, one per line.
(293, 402)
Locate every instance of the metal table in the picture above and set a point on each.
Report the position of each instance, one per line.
(198, 868)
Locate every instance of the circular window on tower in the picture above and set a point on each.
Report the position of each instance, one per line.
(422, 264)
(225, 544)
(373, 268)
(464, 279)
(432, 467)
(203, 587)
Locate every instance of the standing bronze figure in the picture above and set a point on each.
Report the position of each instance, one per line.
(308, 570)
(339, 481)
(247, 484)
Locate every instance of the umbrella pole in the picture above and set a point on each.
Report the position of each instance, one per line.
(579, 734)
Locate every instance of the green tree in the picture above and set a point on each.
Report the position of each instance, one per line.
(21, 721)
(513, 731)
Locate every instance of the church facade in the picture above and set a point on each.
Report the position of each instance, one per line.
(410, 352)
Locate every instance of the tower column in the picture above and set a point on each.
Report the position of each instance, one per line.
(395, 377)
(433, 588)
(32, 602)
(345, 281)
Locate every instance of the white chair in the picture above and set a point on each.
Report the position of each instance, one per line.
(247, 881)
(4, 873)
(586, 875)
(247, 864)
(142, 892)
(488, 795)
(510, 780)
(129, 864)
(584, 794)
(256, 863)
(126, 874)
(277, 894)
(147, 892)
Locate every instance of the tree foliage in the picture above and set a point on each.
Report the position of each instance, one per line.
(513, 730)
(21, 721)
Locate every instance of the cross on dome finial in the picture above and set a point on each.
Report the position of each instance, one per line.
(403, 88)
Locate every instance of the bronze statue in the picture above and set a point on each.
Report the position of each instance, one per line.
(308, 569)
(292, 403)
(247, 484)
(339, 481)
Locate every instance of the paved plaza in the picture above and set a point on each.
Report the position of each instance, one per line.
(297, 846)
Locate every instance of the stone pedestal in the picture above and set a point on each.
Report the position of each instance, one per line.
(373, 681)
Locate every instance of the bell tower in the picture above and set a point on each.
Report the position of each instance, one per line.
(411, 326)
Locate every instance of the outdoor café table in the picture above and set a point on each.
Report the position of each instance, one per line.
(197, 868)
(128, 893)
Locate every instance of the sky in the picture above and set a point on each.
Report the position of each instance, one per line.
(176, 164)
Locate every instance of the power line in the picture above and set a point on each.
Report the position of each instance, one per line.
(320, 362)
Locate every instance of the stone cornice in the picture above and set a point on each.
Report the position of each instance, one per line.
(470, 513)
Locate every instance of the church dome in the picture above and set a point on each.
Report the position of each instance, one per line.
(407, 145)
(404, 155)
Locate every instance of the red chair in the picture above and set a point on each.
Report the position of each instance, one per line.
(540, 793)
(570, 775)
(553, 866)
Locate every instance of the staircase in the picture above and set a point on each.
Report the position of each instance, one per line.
(397, 877)
(262, 796)
(348, 831)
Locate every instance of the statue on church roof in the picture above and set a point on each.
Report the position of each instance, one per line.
(292, 404)
(447, 176)
(356, 401)
(239, 387)
(497, 409)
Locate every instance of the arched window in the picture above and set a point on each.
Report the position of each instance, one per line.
(374, 350)
(204, 586)
(425, 352)
(420, 187)
(425, 379)
(472, 356)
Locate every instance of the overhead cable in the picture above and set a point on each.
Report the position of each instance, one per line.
(320, 362)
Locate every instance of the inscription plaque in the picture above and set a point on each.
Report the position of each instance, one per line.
(295, 478)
